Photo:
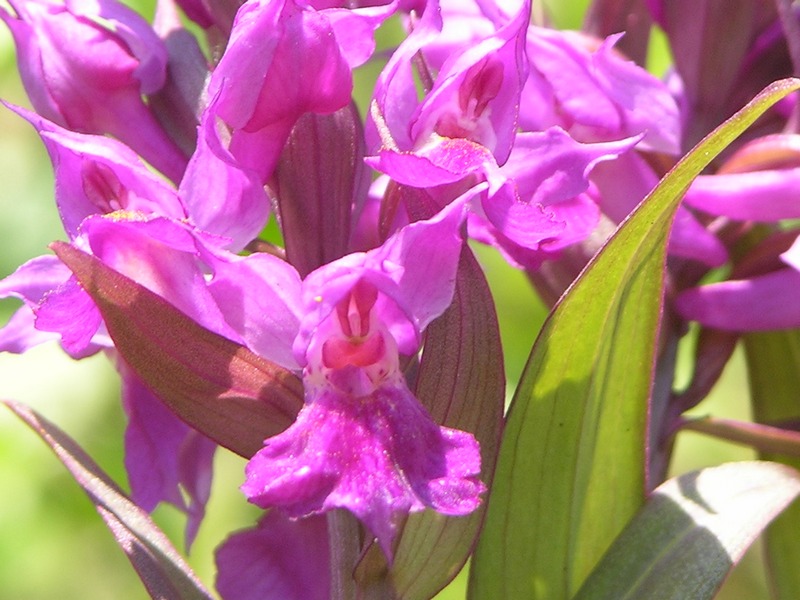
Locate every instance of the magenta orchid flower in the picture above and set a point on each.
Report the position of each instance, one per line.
(99, 175)
(465, 130)
(86, 64)
(474, 97)
(112, 205)
(284, 59)
(166, 459)
(362, 441)
(595, 94)
(762, 298)
(280, 558)
(94, 175)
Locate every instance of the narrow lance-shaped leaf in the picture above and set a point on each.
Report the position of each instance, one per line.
(571, 470)
(217, 386)
(160, 566)
(690, 533)
(773, 365)
(461, 381)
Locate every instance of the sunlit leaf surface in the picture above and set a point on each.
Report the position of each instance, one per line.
(571, 471)
(692, 530)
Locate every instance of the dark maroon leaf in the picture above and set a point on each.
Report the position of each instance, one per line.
(319, 183)
(217, 386)
(461, 382)
(160, 566)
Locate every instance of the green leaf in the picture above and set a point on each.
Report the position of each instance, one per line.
(571, 469)
(690, 533)
(160, 566)
(461, 382)
(773, 364)
(220, 388)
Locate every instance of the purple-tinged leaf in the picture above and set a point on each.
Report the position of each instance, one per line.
(319, 183)
(717, 56)
(461, 382)
(713, 351)
(572, 468)
(773, 367)
(163, 571)
(217, 386)
(691, 531)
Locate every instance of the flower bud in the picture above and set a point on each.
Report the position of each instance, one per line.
(85, 66)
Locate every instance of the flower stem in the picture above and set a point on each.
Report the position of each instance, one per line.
(765, 438)
(344, 548)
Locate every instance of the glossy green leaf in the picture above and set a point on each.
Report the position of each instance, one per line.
(690, 533)
(160, 566)
(233, 396)
(461, 382)
(773, 364)
(571, 469)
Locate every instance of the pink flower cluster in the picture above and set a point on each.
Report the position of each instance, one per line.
(169, 167)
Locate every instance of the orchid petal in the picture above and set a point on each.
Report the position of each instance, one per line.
(259, 296)
(596, 96)
(762, 303)
(379, 457)
(280, 558)
(477, 91)
(98, 175)
(550, 166)
(19, 334)
(163, 453)
(395, 94)
(69, 311)
(162, 255)
(47, 315)
(300, 66)
(221, 196)
(759, 196)
(34, 279)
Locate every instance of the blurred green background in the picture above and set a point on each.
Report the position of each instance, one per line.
(53, 545)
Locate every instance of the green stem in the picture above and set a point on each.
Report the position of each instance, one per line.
(765, 438)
